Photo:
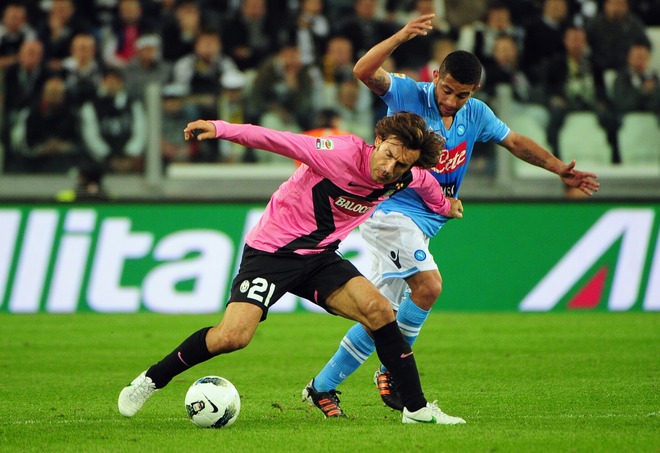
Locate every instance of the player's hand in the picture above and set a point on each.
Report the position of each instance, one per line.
(585, 181)
(418, 26)
(199, 130)
(456, 211)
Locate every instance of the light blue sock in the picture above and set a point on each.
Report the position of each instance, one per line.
(354, 349)
(410, 319)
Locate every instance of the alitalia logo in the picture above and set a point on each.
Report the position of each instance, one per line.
(66, 260)
(633, 229)
(111, 259)
(59, 262)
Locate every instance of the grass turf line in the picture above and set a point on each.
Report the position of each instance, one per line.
(579, 382)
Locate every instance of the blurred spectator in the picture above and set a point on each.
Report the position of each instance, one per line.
(337, 67)
(180, 30)
(147, 67)
(282, 95)
(45, 136)
(464, 12)
(440, 48)
(251, 35)
(479, 37)
(118, 43)
(544, 39)
(233, 109)
(611, 33)
(23, 82)
(504, 68)
(81, 71)
(24, 78)
(416, 53)
(356, 118)
(337, 10)
(173, 145)
(583, 11)
(57, 30)
(113, 126)
(399, 12)
(337, 62)
(199, 72)
(363, 28)
(99, 13)
(14, 29)
(637, 87)
(648, 11)
(572, 85)
(198, 75)
(89, 186)
(311, 29)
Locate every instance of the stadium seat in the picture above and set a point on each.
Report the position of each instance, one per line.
(531, 121)
(639, 139)
(583, 139)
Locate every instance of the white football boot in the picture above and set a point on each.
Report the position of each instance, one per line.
(135, 394)
(430, 413)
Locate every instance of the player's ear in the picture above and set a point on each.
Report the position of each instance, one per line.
(378, 140)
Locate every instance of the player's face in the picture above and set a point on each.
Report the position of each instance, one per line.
(450, 95)
(390, 160)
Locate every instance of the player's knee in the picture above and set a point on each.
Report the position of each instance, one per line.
(222, 341)
(425, 295)
(378, 312)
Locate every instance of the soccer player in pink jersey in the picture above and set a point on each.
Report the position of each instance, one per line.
(293, 246)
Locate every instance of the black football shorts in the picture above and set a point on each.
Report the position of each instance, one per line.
(263, 278)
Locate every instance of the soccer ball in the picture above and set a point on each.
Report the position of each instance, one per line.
(213, 402)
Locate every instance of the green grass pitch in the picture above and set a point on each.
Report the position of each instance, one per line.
(557, 382)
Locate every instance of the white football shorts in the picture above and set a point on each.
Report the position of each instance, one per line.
(398, 249)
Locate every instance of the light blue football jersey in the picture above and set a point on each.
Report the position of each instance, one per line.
(475, 122)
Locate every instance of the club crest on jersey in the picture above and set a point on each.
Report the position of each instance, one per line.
(324, 143)
(397, 187)
(352, 206)
(420, 255)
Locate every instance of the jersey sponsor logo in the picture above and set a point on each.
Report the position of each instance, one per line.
(452, 159)
(324, 143)
(449, 189)
(394, 256)
(353, 207)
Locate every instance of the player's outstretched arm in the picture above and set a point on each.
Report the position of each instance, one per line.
(199, 130)
(526, 149)
(585, 181)
(368, 68)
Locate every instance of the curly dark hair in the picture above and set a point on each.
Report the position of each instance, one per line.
(463, 66)
(413, 133)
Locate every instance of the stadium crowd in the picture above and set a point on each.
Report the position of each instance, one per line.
(74, 72)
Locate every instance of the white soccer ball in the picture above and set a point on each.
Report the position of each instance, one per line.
(213, 402)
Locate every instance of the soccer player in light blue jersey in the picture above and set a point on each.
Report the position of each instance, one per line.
(398, 232)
